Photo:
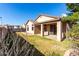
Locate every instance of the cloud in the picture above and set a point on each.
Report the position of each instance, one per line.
(64, 15)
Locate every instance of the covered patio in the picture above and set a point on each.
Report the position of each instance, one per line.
(50, 28)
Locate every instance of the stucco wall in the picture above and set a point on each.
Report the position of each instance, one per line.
(30, 28)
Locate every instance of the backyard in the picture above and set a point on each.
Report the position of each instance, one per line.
(47, 46)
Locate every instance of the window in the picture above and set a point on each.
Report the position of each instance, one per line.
(27, 28)
(32, 27)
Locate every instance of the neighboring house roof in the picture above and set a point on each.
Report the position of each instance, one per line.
(30, 21)
(45, 18)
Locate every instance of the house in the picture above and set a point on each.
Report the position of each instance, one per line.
(30, 27)
(49, 26)
(13, 27)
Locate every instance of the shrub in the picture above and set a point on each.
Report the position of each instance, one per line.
(74, 32)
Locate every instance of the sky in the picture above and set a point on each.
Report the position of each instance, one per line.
(20, 13)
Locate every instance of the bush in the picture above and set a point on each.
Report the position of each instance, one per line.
(74, 32)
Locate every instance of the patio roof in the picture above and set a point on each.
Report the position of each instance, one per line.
(45, 18)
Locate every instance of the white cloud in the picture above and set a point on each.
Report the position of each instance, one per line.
(64, 15)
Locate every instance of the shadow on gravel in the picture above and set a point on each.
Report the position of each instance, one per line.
(14, 45)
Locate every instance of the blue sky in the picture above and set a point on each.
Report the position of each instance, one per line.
(19, 13)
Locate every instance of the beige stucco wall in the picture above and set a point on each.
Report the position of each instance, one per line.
(30, 28)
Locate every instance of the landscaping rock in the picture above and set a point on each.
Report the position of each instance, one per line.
(72, 52)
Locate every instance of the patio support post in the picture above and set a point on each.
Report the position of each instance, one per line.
(59, 31)
(42, 30)
(48, 28)
(26, 29)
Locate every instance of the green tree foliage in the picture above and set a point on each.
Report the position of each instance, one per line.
(71, 18)
(73, 7)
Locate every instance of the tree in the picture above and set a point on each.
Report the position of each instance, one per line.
(72, 20)
(73, 16)
(73, 7)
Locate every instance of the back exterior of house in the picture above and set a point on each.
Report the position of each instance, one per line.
(50, 27)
